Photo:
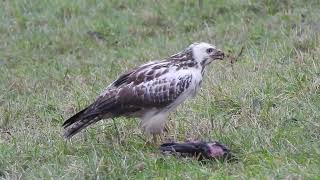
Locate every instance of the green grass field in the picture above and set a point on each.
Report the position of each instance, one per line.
(265, 106)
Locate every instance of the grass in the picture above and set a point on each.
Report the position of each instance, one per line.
(265, 106)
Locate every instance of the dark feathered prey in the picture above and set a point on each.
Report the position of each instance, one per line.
(200, 149)
(149, 91)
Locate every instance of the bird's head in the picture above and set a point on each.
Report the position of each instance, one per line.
(205, 53)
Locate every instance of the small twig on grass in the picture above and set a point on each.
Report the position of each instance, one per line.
(200, 4)
(117, 130)
(96, 35)
(234, 59)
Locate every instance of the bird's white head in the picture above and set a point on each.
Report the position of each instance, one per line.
(205, 53)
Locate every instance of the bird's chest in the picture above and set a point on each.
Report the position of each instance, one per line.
(184, 84)
(192, 89)
(195, 83)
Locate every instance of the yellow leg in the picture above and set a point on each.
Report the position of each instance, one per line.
(155, 139)
(154, 142)
(161, 136)
(158, 139)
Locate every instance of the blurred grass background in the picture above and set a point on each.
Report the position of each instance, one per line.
(57, 56)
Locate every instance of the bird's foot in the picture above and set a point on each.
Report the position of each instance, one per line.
(157, 139)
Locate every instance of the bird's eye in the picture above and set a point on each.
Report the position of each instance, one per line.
(210, 50)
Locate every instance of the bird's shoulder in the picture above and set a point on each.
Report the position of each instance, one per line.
(143, 73)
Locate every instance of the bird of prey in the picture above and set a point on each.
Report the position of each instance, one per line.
(149, 91)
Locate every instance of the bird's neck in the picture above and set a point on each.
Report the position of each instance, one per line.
(202, 67)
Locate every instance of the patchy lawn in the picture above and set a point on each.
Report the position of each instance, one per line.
(57, 56)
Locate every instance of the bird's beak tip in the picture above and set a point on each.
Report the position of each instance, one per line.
(219, 55)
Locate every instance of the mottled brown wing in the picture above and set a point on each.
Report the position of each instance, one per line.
(129, 99)
(142, 74)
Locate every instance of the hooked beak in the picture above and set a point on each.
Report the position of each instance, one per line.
(218, 55)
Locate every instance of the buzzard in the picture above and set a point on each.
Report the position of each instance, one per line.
(149, 91)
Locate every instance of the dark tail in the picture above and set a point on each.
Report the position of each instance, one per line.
(93, 113)
(78, 122)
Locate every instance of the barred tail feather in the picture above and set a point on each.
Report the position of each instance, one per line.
(93, 113)
(77, 127)
(74, 118)
(78, 122)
